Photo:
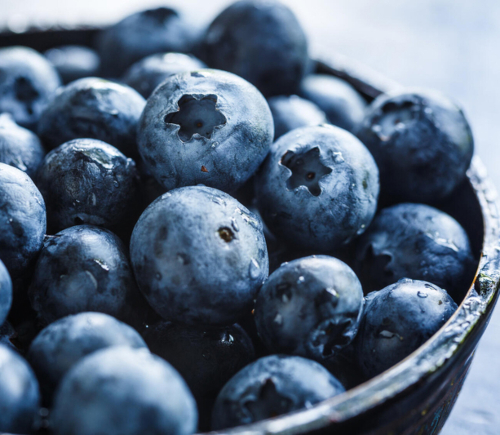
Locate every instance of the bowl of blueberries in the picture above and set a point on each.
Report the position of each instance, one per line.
(217, 231)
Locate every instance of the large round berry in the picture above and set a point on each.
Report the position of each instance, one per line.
(199, 256)
(397, 320)
(23, 222)
(19, 395)
(85, 268)
(343, 106)
(290, 112)
(272, 386)
(205, 127)
(19, 147)
(261, 41)
(86, 181)
(66, 341)
(318, 188)
(27, 83)
(309, 307)
(74, 62)
(421, 142)
(5, 293)
(93, 108)
(415, 241)
(141, 34)
(123, 391)
(145, 75)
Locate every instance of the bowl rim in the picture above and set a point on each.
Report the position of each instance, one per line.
(442, 346)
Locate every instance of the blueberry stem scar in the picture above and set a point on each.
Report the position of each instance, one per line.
(307, 169)
(197, 114)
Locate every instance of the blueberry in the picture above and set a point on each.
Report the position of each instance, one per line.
(93, 108)
(145, 75)
(123, 391)
(206, 357)
(343, 106)
(205, 127)
(27, 83)
(23, 223)
(19, 147)
(141, 34)
(65, 342)
(309, 307)
(74, 62)
(85, 268)
(318, 188)
(86, 181)
(421, 142)
(272, 386)
(415, 241)
(19, 395)
(199, 256)
(5, 293)
(290, 112)
(261, 41)
(397, 320)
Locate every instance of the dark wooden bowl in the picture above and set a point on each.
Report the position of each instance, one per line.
(417, 395)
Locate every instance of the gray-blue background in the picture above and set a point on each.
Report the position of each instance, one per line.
(450, 45)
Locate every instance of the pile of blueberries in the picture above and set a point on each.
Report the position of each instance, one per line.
(135, 294)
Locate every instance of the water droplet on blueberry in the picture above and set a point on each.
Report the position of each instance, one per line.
(234, 224)
(254, 269)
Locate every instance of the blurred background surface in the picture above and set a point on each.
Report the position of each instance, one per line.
(449, 45)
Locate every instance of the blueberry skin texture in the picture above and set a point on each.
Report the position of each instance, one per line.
(145, 75)
(19, 395)
(85, 268)
(27, 83)
(318, 188)
(87, 181)
(261, 41)
(415, 241)
(271, 386)
(19, 147)
(343, 106)
(309, 307)
(205, 127)
(123, 391)
(147, 32)
(63, 343)
(290, 112)
(199, 256)
(5, 293)
(421, 142)
(74, 62)
(397, 320)
(23, 222)
(93, 108)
